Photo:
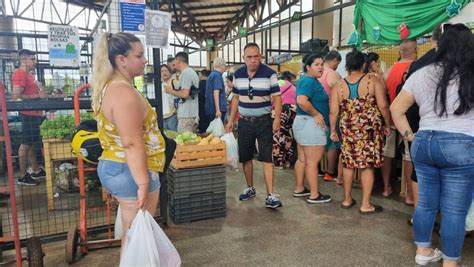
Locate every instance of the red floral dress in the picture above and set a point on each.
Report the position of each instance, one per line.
(362, 136)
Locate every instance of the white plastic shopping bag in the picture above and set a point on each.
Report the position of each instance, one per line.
(118, 224)
(216, 127)
(232, 150)
(470, 218)
(147, 245)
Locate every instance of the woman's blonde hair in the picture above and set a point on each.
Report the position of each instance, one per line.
(109, 47)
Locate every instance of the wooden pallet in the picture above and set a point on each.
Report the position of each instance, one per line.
(192, 156)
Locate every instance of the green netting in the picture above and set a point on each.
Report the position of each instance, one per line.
(377, 22)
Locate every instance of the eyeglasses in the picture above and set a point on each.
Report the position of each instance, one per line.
(250, 91)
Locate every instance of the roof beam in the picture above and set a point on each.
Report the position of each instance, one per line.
(227, 27)
(238, 4)
(198, 26)
(231, 12)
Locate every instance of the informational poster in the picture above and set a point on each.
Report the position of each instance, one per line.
(64, 46)
(157, 28)
(132, 15)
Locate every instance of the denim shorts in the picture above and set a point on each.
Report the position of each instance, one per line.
(307, 132)
(118, 180)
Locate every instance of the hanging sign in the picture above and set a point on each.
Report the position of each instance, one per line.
(63, 46)
(209, 43)
(132, 15)
(157, 28)
(243, 32)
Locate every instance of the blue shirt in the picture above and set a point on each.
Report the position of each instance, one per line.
(312, 88)
(264, 86)
(215, 83)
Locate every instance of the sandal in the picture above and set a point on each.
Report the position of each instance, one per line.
(377, 209)
(353, 203)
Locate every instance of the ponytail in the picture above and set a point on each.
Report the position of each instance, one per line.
(102, 70)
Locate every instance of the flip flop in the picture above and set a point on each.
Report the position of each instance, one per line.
(377, 209)
(350, 206)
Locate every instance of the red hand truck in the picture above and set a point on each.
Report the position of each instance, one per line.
(77, 238)
(34, 251)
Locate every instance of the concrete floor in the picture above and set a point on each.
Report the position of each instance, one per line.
(299, 234)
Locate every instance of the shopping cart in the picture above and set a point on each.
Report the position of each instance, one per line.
(78, 238)
(34, 251)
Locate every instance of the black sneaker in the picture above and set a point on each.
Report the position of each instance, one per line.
(27, 180)
(320, 199)
(38, 175)
(303, 193)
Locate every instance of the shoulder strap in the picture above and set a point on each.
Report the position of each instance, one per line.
(288, 88)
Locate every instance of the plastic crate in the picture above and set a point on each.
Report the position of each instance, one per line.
(186, 183)
(179, 218)
(178, 173)
(197, 207)
(196, 200)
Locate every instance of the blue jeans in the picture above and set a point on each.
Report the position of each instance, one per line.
(171, 123)
(444, 164)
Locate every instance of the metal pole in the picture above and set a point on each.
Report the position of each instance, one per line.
(159, 113)
(340, 27)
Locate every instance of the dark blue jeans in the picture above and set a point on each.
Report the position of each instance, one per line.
(444, 163)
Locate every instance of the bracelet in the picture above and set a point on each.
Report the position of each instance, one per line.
(143, 184)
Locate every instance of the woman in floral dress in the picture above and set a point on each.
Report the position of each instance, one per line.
(360, 101)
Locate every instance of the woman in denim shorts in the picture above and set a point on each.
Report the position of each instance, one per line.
(127, 126)
(309, 127)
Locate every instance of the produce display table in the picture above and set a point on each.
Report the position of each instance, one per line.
(54, 150)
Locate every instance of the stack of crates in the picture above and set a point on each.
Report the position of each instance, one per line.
(196, 194)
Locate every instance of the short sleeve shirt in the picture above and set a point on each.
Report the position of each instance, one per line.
(312, 88)
(422, 84)
(264, 86)
(26, 81)
(215, 83)
(189, 108)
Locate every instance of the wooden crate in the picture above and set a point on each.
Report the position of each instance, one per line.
(192, 156)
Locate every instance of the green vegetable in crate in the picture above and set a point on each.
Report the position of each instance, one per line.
(179, 139)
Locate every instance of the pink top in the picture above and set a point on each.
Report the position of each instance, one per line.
(288, 93)
(324, 80)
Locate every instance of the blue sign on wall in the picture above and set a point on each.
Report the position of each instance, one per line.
(132, 17)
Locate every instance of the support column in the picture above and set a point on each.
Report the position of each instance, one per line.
(114, 16)
(211, 55)
(323, 24)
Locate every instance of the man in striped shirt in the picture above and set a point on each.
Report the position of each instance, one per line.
(255, 90)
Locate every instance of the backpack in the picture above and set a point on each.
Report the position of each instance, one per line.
(85, 142)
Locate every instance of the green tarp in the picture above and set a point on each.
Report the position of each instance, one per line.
(378, 21)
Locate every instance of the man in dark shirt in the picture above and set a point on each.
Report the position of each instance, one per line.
(203, 120)
(413, 117)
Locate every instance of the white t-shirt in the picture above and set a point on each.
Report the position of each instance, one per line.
(422, 84)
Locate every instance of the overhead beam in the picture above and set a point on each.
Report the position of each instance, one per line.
(191, 15)
(238, 4)
(210, 14)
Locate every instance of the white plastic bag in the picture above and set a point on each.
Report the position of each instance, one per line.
(470, 218)
(147, 245)
(216, 127)
(232, 150)
(118, 224)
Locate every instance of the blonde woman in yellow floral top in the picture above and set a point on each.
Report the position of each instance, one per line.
(128, 131)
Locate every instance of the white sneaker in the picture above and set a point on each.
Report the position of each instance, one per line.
(433, 257)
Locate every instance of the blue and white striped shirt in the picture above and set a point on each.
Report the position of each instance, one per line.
(264, 85)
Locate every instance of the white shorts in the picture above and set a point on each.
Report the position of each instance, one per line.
(390, 144)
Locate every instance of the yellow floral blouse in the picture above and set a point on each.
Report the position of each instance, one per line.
(154, 142)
